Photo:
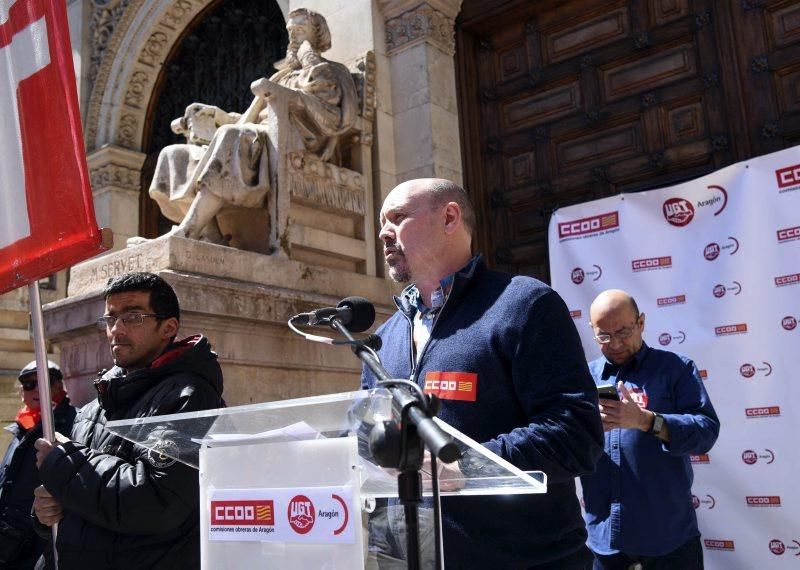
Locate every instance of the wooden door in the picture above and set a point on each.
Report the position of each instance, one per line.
(565, 101)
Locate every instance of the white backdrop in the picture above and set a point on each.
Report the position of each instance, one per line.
(715, 265)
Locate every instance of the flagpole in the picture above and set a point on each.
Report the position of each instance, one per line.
(43, 376)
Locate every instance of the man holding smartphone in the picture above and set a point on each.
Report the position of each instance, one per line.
(639, 511)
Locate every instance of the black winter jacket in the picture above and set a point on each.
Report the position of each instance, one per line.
(126, 507)
(20, 547)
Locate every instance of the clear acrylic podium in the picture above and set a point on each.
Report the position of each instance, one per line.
(292, 484)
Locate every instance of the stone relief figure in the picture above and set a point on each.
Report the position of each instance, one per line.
(229, 160)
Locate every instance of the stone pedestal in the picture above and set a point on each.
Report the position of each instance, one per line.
(240, 300)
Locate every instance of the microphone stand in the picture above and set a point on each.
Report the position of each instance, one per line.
(402, 447)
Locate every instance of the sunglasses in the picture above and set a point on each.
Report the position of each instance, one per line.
(29, 385)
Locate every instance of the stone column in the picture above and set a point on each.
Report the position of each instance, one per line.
(420, 43)
(116, 186)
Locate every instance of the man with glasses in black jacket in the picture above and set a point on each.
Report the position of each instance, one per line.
(120, 505)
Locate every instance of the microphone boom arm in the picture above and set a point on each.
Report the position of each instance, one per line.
(412, 407)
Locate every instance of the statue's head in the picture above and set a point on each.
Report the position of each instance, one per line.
(304, 22)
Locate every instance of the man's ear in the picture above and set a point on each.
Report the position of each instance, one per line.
(169, 328)
(452, 217)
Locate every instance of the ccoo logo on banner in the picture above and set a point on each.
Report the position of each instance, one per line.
(47, 218)
(316, 515)
(715, 265)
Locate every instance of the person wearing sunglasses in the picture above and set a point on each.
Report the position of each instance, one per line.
(20, 546)
(655, 412)
(120, 505)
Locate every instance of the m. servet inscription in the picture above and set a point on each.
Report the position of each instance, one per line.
(118, 267)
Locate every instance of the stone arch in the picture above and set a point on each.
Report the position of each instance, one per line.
(134, 53)
(130, 41)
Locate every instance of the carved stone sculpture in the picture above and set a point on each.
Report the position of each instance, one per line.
(233, 161)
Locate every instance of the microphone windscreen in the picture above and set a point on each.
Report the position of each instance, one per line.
(363, 313)
(373, 341)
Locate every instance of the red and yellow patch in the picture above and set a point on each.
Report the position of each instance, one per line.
(452, 385)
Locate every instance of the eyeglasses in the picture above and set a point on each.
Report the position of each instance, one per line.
(129, 320)
(623, 334)
(29, 385)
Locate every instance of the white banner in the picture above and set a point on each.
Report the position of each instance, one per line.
(715, 265)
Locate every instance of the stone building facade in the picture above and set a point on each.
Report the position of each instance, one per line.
(120, 50)
(532, 105)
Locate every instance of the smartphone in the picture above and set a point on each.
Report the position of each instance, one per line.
(607, 391)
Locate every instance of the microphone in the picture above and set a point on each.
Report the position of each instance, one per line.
(373, 341)
(356, 313)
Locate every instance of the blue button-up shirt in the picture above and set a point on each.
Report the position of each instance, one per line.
(639, 499)
(413, 297)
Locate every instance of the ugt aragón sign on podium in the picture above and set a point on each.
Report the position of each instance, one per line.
(293, 485)
(47, 220)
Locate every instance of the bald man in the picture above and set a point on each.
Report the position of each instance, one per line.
(528, 396)
(639, 501)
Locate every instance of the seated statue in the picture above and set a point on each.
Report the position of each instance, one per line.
(227, 161)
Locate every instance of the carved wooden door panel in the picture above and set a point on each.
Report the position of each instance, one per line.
(563, 102)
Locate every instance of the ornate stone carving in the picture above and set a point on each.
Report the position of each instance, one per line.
(423, 23)
(153, 49)
(106, 14)
(136, 88)
(147, 28)
(115, 175)
(325, 184)
(128, 131)
(366, 85)
(177, 14)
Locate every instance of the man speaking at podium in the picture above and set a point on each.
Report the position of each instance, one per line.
(511, 341)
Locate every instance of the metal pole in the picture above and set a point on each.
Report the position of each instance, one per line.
(43, 376)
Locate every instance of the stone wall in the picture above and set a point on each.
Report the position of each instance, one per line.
(240, 300)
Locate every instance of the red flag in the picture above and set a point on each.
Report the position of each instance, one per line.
(47, 217)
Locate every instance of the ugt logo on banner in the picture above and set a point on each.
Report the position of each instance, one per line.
(46, 214)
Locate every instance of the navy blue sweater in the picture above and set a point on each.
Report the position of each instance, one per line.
(536, 406)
